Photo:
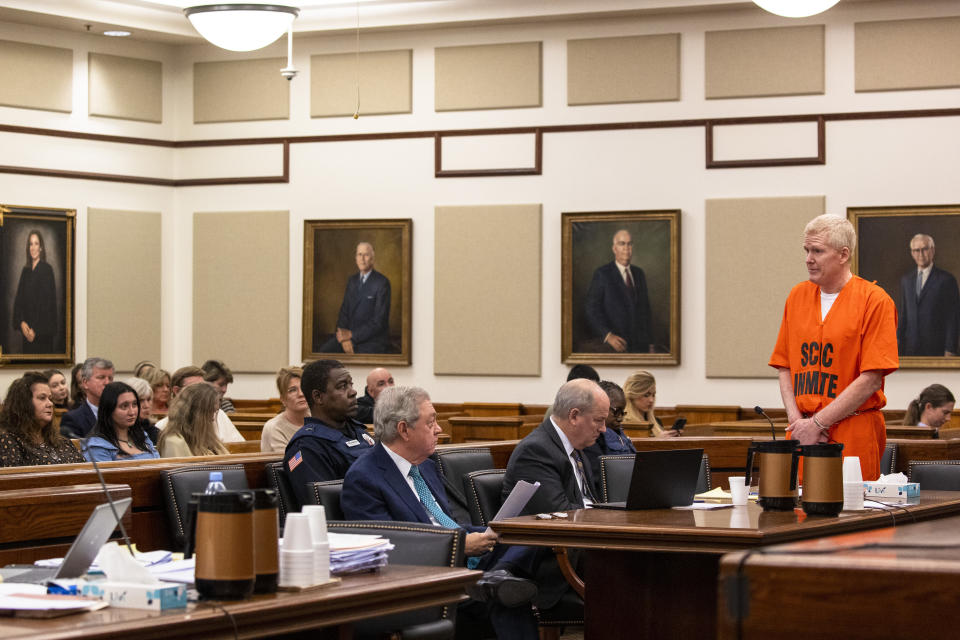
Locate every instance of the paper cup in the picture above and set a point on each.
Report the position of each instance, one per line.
(738, 490)
(853, 496)
(296, 533)
(851, 469)
(318, 522)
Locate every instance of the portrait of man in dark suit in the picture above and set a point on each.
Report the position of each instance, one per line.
(356, 290)
(617, 305)
(929, 305)
(363, 324)
(621, 282)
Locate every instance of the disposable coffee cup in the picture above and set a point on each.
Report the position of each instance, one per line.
(738, 490)
(296, 533)
(318, 522)
(851, 469)
(853, 496)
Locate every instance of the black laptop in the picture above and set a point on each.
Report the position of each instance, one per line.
(661, 479)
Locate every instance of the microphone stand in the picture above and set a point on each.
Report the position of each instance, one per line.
(106, 492)
(773, 431)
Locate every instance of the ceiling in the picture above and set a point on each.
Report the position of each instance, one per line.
(163, 20)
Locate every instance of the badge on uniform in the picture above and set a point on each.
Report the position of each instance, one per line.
(294, 461)
(368, 439)
(352, 443)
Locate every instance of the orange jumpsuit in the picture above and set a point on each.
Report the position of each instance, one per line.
(859, 334)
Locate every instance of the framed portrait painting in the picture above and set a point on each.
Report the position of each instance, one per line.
(911, 252)
(36, 287)
(621, 287)
(356, 290)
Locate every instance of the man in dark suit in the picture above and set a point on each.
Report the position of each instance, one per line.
(363, 325)
(397, 481)
(929, 305)
(95, 374)
(552, 455)
(617, 306)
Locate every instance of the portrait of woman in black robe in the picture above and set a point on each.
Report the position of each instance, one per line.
(35, 305)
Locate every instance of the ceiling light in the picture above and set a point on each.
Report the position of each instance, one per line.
(241, 27)
(795, 8)
(116, 33)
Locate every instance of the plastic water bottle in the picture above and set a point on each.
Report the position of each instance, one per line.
(216, 483)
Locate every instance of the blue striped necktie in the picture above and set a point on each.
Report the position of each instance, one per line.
(426, 497)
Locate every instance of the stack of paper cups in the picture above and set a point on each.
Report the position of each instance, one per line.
(296, 553)
(852, 484)
(321, 545)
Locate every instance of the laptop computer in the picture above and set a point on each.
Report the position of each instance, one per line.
(82, 553)
(661, 479)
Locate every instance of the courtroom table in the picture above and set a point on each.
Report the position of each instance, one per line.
(761, 429)
(827, 588)
(394, 589)
(653, 573)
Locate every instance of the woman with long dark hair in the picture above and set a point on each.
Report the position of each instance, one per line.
(59, 392)
(118, 434)
(932, 408)
(35, 305)
(28, 435)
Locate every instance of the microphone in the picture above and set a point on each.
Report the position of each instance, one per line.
(773, 431)
(113, 507)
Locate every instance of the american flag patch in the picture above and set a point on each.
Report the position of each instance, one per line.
(294, 461)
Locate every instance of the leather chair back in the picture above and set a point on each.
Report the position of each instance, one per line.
(454, 465)
(414, 543)
(617, 470)
(936, 475)
(180, 484)
(485, 494)
(327, 495)
(888, 462)
(286, 498)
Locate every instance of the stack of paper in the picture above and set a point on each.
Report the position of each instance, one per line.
(31, 601)
(351, 553)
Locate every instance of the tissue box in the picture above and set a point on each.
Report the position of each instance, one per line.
(891, 492)
(166, 595)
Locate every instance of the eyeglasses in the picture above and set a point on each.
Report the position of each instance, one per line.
(617, 413)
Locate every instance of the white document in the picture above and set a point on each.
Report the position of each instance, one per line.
(517, 500)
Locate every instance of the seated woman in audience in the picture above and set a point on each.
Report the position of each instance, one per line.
(160, 383)
(641, 392)
(192, 424)
(279, 429)
(219, 375)
(118, 434)
(931, 409)
(59, 392)
(27, 433)
(76, 389)
(145, 395)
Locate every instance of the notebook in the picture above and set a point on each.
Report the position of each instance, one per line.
(82, 553)
(661, 479)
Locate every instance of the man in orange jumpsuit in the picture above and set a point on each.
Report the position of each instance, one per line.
(837, 341)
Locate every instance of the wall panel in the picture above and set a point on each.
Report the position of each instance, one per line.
(629, 69)
(238, 90)
(386, 83)
(494, 76)
(128, 88)
(241, 306)
(21, 64)
(124, 275)
(481, 326)
(907, 54)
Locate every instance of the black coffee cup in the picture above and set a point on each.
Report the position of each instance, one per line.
(823, 479)
(224, 545)
(266, 531)
(779, 460)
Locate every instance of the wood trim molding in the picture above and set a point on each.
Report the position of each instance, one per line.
(820, 158)
(708, 124)
(440, 172)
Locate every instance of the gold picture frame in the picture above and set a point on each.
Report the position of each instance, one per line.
(329, 287)
(883, 255)
(589, 287)
(36, 294)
